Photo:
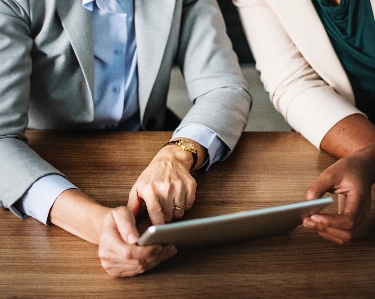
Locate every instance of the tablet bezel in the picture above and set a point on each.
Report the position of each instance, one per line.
(234, 227)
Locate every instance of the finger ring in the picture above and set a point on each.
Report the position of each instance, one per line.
(178, 208)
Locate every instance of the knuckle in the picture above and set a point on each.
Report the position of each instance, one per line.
(193, 182)
(105, 265)
(127, 253)
(149, 188)
(347, 238)
(102, 254)
(133, 190)
(191, 189)
(350, 224)
(340, 242)
(108, 267)
(139, 266)
(161, 187)
(114, 273)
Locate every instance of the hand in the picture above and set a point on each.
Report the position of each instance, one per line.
(165, 183)
(351, 178)
(118, 252)
(113, 230)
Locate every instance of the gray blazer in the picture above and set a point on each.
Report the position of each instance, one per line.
(47, 75)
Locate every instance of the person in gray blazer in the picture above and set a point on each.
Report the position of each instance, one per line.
(106, 64)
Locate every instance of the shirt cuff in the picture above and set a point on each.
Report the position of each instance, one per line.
(39, 198)
(205, 137)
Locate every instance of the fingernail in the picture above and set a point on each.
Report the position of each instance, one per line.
(309, 224)
(316, 218)
(133, 238)
(172, 250)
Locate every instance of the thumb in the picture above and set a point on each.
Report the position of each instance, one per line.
(125, 223)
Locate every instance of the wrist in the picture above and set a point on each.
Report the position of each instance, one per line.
(186, 146)
(172, 154)
(99, 218)
(367, 154)
(202, 153)
(79, 214)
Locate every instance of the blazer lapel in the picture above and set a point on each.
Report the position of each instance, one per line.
(77, 22)
(153, 21)
(373, 7)
(303, 25)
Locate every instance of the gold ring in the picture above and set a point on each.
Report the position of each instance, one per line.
(178, 208)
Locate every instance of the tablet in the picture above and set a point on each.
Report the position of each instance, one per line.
(234, 227)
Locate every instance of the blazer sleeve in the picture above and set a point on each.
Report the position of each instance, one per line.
(306, 101)
(214, 80)
(20, 165)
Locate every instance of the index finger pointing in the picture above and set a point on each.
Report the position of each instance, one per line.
(154, 208)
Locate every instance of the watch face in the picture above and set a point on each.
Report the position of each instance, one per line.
(186, 145)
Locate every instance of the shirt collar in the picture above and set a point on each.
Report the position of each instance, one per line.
(88, 4)
(111, 6)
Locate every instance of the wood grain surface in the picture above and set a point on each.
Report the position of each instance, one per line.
(38, 261)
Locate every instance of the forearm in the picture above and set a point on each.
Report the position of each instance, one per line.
(216, 86)
(349, 135)
(78, 214)
(113, 230)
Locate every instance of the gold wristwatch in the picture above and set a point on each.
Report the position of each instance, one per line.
(186, 146)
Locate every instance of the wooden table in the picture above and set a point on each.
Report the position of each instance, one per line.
(38, 261)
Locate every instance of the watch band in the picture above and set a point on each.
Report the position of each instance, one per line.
(186, 146)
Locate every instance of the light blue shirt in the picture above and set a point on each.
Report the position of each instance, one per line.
(115, 97)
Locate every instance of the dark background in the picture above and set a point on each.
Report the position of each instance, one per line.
(235, 32)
